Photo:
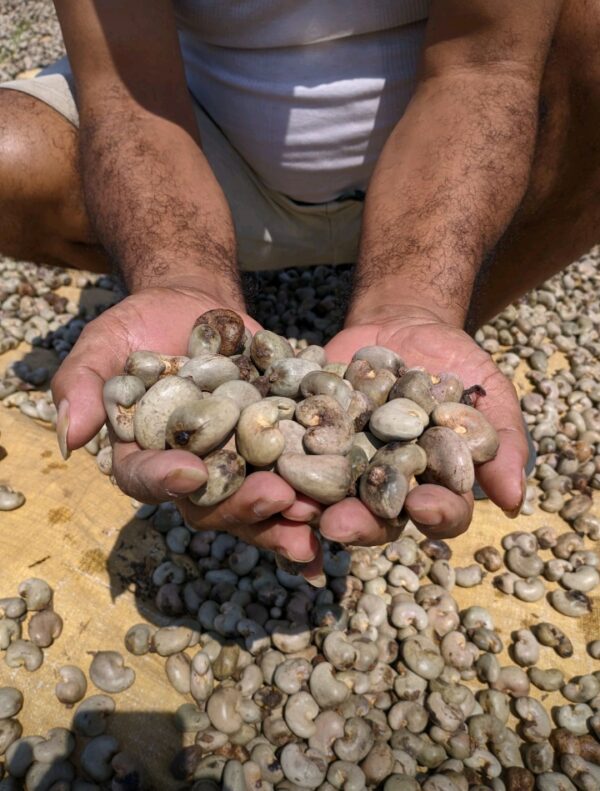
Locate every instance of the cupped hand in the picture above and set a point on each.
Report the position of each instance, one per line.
(421, 339)
(265, 511)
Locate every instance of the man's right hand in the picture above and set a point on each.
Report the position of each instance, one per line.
(265, 511)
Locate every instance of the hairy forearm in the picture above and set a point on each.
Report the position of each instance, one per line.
(445, 188)
(154, 202)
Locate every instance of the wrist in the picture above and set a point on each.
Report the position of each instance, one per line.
(223, 293)
(379, 306)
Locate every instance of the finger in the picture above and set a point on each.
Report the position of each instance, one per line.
(304, 509)
(77, 385)
(350, 522)
(261, 496)
(154, 476)
(503, 478)
(438, 512)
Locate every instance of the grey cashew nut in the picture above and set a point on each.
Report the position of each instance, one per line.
(96, 757)
(150, 367)
(449, 461)
(325, 478)
(154, 408)
(267, 347)
(328, 429)
(422, 657)
(58, 745)
(108, 672)
(285, 376)
(380, 357)
(416, 384)
(300, 711)
(313, 352)
(572, 603)
(535, 723)
(399, 419)
(346, 775)
(526, 649)
(548, 680)
(305, 768)
(584, 579)
(407, 457)
(530, 589)
(179, 672)
(258, 439)
(11, 702)
(223, 709)
(573, 718)
(204, 339)
(10, 499)
(209, 371)
(325, 687)
(357, 741)
(120, 395)
(36, 592)
(10, 731)
(581, 689)
(72, 685)
(91, 715)
(240, 392)
(202, 678)
(376, 384)
(23, 653)
(292, 674)
(324, 383)
(226, 471)
(201, 426)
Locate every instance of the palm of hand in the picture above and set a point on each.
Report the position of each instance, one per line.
(439, 347)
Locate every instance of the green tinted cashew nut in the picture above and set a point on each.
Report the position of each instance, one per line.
(325, 478)
(400, 419)
(258, 439)
(155, 407)
(210, 371)
(201, 426)
(376, 384)
(267, 347)
(285, 376)
(151, 366)
(120, 396)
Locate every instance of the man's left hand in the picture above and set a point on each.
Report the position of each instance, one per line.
(422, 339)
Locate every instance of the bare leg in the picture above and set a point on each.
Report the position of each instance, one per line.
(559, 218)
(42, 214)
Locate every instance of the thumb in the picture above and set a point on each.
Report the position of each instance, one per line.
(77, 385)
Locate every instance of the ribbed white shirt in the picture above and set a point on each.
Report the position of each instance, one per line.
(306, 90)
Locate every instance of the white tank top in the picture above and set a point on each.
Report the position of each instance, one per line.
(306, 90)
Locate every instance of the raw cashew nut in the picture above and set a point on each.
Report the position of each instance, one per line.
(258, 439)
(201, 426)
(471, 425)
(108, 672)
(120, 396)
(325, 478)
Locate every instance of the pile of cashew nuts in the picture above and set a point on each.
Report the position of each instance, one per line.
(330, 430)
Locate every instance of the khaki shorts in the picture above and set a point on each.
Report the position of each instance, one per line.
(273, 231)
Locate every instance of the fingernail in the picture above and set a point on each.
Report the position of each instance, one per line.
(430, 518)
(264, 508)
(184, 481)
(317, 580)
(516, 511)
(62, 428)
(290, 558)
